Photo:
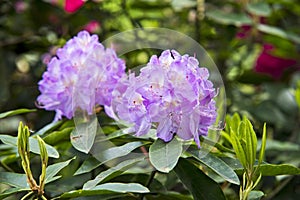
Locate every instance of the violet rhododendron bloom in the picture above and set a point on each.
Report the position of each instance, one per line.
(172, 93)
(82, 75)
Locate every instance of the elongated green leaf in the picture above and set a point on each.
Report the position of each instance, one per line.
(282, 169)
(276, 145)
(237, 19)
(83, 136)
(251, 142)
(278, 32)
(111, 172)
(259, 8)
(108, 190)
(164, 156)
(119, 151)
(34, 145)
(88, 165)
(58, 136)
(238, 150)
(235, 122)
(218, 166)
(14, 179)
(263, 145)
(106, 156)
(53, 169)
(297, 95)
(122, 187)
(199, 184)
(11, 191)
(99, 194)
(49, 127)
(16, 112)
(255, 195)
(267, 169)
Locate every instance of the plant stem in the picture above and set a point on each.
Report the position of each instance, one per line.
(27, 195)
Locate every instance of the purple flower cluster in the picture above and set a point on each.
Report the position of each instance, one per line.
(82, 75)
(171, 93)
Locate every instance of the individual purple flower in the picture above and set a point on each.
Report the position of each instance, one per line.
(171, 93)
(82, 75)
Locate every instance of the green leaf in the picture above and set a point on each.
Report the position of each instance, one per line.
(107, 155)
(267, 169)
(238, 150)
(255, 195)
(237, 19)
(49, 127)
(83, 136)
(181, 4)
(218, 166)
(14, 179)
(122, 187)
(11, 191)
(259, 8)
(16, 112)
(43, 150)
(235, 121)
(53, 169)
(263, 145)
(34, 145)
(282, 169)
(108, 190)
(199, 184)
(297, 96)
(275, 145)
(57, 136)
(278, 32)
(88, 165)
(111, 173)
(100, 194)
(251, 142)
(164, 156)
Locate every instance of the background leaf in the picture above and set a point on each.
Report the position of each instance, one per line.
(111, 172)
(14, 179)
(278, 32)
(259, 8)
(107, 155)
(255, 195)
(237, 19)
(218, 166)
(199, 184)
(34, 145)
(53, 169)
(11, 191)
(16, 112)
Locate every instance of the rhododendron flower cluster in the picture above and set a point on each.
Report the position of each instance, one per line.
(172, 93)
(82, 75)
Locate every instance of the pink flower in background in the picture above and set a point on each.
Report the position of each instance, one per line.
(93, 26)
(21, 6)
(244, 31)
(72, 6)
(270, 64)
(267, 62)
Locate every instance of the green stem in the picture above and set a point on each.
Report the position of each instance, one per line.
(27, 195)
